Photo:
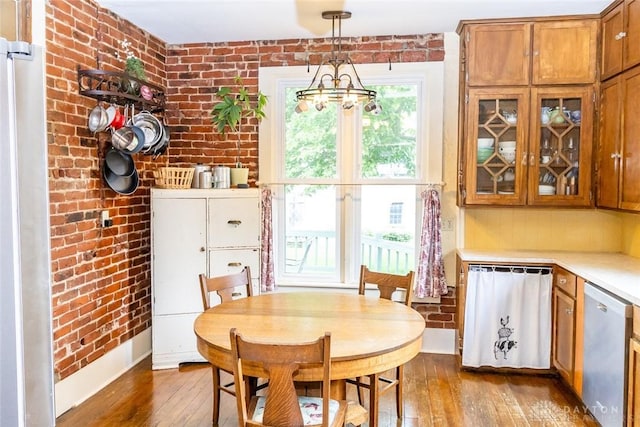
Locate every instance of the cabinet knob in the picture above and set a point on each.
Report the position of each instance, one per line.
(234, 264)
(569, 311)
(620, 35)
(562, 280)
(202, 249)
(615, 155)
(235, 222)
(524, 159)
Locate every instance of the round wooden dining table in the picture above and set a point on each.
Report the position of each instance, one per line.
(368, 334)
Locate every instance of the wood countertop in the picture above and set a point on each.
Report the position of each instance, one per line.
(615, 272)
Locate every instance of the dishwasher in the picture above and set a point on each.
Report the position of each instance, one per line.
(607, 330)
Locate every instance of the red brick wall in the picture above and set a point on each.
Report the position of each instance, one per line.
(441, 315)
(195, 71)
(101, 276)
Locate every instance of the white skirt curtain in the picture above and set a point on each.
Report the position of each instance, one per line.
(507, 319)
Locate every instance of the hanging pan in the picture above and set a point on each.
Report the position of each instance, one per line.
(119, 163)
(121, 184)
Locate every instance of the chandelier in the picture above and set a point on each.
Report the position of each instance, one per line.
(337, 85)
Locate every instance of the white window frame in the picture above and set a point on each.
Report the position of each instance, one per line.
(429, 167)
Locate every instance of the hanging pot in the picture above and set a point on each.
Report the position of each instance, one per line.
(119, 119)
(151, 127)
(123, 138)
(98, 119)
(164, 144)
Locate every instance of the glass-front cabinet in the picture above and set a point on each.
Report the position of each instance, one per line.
(495, 169)
(561, 147)
(528, 147)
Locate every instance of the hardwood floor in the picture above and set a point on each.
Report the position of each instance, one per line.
(437, 393)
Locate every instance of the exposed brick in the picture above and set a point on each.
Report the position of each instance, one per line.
(101, 277)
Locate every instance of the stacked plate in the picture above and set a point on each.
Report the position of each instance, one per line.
(546, 190)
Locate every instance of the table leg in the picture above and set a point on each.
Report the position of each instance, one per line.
(373, 400)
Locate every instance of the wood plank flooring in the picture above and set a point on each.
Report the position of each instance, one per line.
(437, 393)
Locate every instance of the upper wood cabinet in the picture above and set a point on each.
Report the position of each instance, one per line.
(620, 38)
(502, 53)
(619, 143)
(497, 54)
(526, 111)
(564, 52)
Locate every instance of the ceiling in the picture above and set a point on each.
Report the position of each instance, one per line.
(197, 21)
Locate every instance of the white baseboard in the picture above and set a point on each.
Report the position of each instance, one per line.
(83, 384)
(438, 341)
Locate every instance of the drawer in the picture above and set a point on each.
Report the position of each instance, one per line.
(565, 281)
(234, 222)
(231, 261)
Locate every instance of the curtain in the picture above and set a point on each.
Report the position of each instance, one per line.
(267, 280)
(507, 320)
(430, 279)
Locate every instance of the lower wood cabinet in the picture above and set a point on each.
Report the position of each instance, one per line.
(567, 335)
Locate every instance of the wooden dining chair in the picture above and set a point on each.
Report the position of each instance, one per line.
(377, 384)
(227, 288)
(282, 407)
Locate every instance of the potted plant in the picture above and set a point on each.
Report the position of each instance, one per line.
(235, 107)
(134, 67)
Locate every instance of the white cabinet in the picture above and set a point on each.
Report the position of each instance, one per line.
(193, 231)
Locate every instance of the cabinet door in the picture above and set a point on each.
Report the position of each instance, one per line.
(630, 190)
(563, 334)
(234, 222)
(495, 145)
(565, 52)
(631, 39)
(179, 254)
(560, 147)
(612, 43)
(609, 144)
(497, 54)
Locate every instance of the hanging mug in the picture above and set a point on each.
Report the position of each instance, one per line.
(545, 115)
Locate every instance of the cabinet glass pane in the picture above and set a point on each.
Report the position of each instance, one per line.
(559, 146)
(496, 146)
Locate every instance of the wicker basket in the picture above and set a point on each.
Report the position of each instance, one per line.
(173, 177)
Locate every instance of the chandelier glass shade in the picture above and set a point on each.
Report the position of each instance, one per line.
(336, 79)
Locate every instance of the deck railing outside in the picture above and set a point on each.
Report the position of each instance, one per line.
(314, 252)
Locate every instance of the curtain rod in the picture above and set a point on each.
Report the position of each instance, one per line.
(420, 184)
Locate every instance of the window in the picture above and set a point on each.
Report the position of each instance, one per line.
(346, 184)
(395, 213)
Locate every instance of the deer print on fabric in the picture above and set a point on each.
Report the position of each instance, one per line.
(504, 344)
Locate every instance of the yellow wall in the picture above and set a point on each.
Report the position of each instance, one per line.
(550, 229)
(631, 234)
